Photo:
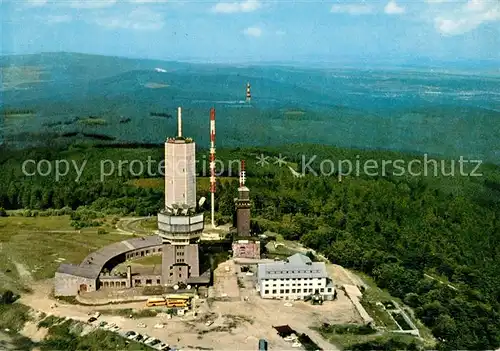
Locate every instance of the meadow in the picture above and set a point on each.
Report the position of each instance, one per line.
(33, 247)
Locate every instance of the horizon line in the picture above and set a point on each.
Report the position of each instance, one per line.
(347, 62)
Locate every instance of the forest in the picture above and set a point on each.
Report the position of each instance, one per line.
(397, 229)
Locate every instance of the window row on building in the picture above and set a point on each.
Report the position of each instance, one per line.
(297, 291)
(142, 253)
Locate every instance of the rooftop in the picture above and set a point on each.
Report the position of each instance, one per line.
(296, 266)
(179, 140)
(93, 264)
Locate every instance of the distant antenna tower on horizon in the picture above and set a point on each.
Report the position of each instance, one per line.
(249, 96)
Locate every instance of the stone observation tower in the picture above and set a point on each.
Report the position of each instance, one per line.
(245, 245)
(243, 205)
(179, 224)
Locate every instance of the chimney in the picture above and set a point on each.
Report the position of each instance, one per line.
(179, 122)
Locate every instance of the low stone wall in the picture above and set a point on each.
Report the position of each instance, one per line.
(414, 330)
(89, 300)
(354, 295)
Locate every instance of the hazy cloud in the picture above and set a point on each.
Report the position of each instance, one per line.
(139, 19)
(233, 7)
(352, 9)
(253, 31)
(35, 3)
(148, 1)
(54, 19)
(392, 8)
(89, 4)
(468, 17)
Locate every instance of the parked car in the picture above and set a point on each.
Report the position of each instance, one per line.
(154, 342)
(139, 338)
(91, 319)
(114, 328)
(149, 340)
(130, 333)
(102, 324)
(162, 347)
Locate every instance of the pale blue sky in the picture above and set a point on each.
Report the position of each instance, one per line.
(256, 30)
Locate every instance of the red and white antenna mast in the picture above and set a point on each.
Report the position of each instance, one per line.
(249, 95)
(242, 174)
(212, 165)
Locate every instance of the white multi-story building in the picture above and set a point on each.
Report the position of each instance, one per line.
(294, 279)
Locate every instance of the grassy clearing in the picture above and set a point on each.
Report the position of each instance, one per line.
(93, 121)
(50, 321)
(14, 316)
(149, 224)
(155, 85)
(350, 337)
(202, 183)
(148, 261)
(62, 334)
(281, 251)
(40, 244)
(148, 183)
(381, 316)
(346, 340)
(300, 113)
(377, 312)
(347, 334)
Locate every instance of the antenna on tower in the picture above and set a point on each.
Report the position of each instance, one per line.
(212, 165)
(242, 174)
(249, 96)
(179, 122)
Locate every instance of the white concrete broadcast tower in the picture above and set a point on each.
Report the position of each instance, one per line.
(179, 224)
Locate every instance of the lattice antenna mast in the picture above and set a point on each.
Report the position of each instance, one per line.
(212, 165)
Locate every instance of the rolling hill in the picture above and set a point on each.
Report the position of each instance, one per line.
(453, 115)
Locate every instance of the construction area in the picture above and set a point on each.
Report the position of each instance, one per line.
(232, 317)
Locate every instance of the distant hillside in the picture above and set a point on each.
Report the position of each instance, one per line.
(407, 110)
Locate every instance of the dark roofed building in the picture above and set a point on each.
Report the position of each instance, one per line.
(70, 279)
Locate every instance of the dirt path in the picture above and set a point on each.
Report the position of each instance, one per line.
(442, 282)
(131, 226)
(24, 273)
